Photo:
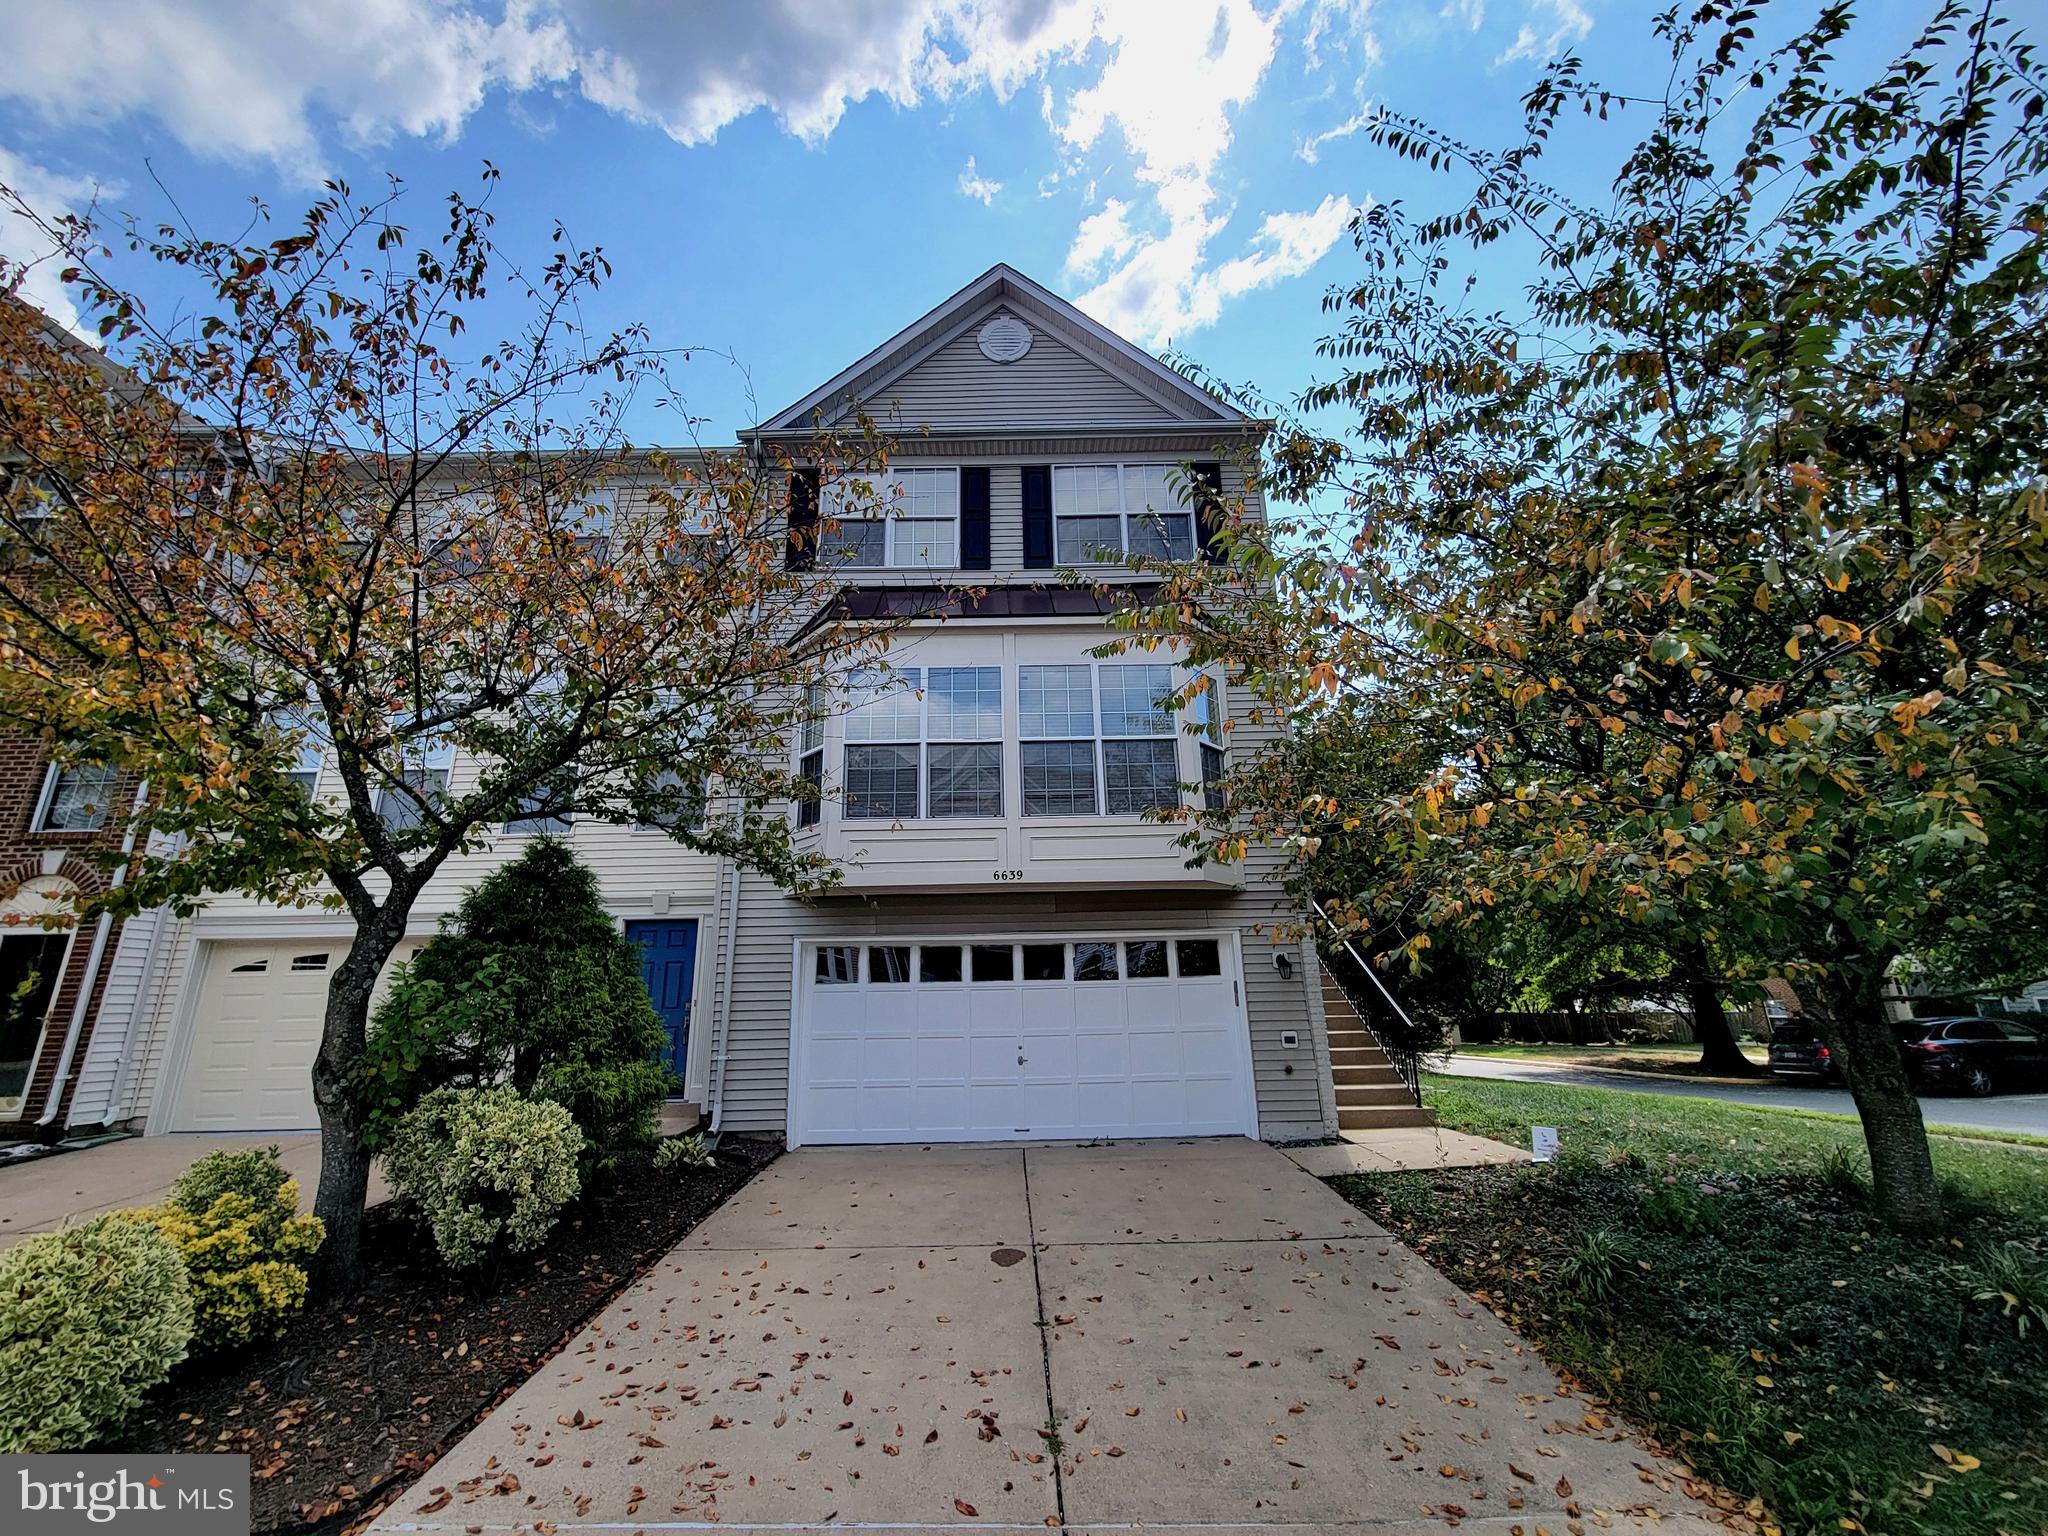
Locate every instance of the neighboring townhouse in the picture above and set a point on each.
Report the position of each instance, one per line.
(1017, 951)
(57, 825)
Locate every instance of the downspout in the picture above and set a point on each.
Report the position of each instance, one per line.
(92, 968)
(728, 944)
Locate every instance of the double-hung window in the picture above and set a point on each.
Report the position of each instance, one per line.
(1103, 512)
(76, 798)
(906, 519)
(810, 758)
(424, 777)
(676, 800)
(1056, 746)
(927, 744)
(964, 741)
(1205, 711)
(882, 736)
(538, 813)
(1140, 757)
(1097, 739)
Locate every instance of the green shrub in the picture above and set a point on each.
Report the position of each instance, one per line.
(489, 1169)
(682, 1152)
(91, 1318)
(235, 1219)
(1593, 1271)
(1679, 1207)
(2018, 1283)
(531, 983)
(256, 1173)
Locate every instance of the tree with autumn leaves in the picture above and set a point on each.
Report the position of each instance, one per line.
(305, 518)
(1720, 562)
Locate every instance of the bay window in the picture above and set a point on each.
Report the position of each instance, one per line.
(904, 519)
(1056, 750)
(1103, 512)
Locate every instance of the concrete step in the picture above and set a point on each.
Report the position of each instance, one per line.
(1382, 1119)
(1370, 1095)
(1353, 1039)
(1363, 1075)
(1357, 1056)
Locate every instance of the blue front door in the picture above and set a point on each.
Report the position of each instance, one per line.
(668, 965)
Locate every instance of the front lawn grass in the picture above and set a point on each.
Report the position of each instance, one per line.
(1714, 1271)
(1650, 1056)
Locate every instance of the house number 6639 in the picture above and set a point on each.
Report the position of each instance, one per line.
(1006, 874)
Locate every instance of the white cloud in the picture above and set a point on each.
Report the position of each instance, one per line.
(1164, 292)
(256, 79)
(975, 185)
(23, 245)
(1105, 235)
(1568, 22)
(1311, 148)
(278, 79)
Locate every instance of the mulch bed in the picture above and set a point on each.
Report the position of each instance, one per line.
(355, 1402)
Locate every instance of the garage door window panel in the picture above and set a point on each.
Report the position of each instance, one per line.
(994, 962)
(938, 964)
(1198, 957)
(1045, 962)
(1096, 962)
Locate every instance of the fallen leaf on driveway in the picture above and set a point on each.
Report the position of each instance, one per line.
(965, 1508)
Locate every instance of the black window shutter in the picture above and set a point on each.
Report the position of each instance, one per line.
(1038, 517)
(802, 553)
(974, 555)
(1209, 510)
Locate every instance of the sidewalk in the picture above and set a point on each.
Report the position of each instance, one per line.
(1424, 1148)
(46, 1192)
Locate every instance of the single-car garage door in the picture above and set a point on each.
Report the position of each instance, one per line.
(1036, 1039)
(255, 1028)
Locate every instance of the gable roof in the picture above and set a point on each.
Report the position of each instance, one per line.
(1168, 396)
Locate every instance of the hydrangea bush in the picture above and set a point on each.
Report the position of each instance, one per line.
(91, 1318)
(489, 1169)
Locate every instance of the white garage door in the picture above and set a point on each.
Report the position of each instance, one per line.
(1034, 1039)
(255, 1029)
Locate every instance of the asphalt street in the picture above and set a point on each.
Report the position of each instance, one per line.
(2025, 1113)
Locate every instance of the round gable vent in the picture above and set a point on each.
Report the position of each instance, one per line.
(1005, 339)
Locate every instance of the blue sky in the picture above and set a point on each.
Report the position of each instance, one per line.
(792, 182)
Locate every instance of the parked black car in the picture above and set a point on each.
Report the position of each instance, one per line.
(1975, 1055)
(1796, 1049)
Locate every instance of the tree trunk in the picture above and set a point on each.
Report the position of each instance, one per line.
(1903, 1185)
(1719, 1054)
(344, 1165)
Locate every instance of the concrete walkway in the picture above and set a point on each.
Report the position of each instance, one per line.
(1419, 1147)
(1191, 1335)
(46, 1192)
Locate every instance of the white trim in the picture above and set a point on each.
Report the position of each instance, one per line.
(1230, 947)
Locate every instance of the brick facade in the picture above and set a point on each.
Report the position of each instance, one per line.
(26, 854)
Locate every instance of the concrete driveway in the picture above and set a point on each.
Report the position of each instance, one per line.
(889, 1337)
(46, 1192)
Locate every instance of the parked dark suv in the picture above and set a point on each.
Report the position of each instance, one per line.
(1975, 1055)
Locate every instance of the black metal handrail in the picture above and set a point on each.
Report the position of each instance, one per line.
(1404, 1060)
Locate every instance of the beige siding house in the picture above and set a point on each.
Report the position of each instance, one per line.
(1017, 951)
